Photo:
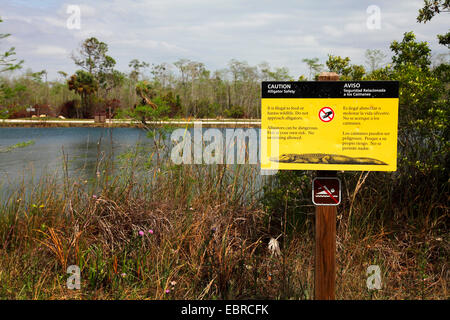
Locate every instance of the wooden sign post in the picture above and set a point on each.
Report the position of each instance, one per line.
(325, 253)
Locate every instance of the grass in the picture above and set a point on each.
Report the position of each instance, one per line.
(209, 240)
(17, 145)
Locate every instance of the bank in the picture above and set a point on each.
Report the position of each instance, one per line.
(126, 123)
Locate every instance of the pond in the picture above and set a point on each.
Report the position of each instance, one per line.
(27, 154)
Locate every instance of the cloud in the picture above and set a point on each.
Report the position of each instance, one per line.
(48, 50)
(332, 31)
(213, 32)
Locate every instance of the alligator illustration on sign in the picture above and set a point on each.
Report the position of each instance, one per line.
(323, 158)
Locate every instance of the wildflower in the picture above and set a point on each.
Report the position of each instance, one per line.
(274, 247)
(41, 206)
(94, 196)
(167, 291)
(173, 283)
(141, 233)
(123, 275)
(150, 231)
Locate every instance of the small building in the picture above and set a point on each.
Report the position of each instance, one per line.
(100, 117)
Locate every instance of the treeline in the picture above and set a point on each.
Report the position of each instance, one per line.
(188, 89)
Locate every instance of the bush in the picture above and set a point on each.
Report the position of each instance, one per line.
(236, 112)
(287, 199)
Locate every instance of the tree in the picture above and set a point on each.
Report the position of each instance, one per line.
(429, 10)
(94, 59)
(196, 71)
(7, 60)
(357, 72)
(339, 65)
(135, 73)
(63, 74)
(182, 66)
(136, 67)
(84, 84)
(150, 108)
(8, 63)
(281, 74)
(343, 67)
(192, 74)
(374, 59)
(161, 74)
(410, 52)
(278, 74)
(39, 76)
(313, 65)
(423, 117)
(112, 80)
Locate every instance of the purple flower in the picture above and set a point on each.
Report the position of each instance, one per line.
(167, 291)
(141, 233)
(150, 231)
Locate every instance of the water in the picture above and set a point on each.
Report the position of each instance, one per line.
(82, 147)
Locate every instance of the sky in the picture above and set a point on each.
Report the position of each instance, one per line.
(281, 32)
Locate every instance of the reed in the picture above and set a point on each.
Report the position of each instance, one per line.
(201, 232)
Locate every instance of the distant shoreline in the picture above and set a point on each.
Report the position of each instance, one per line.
(123, 123)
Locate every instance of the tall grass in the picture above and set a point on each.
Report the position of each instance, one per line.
(205, 235)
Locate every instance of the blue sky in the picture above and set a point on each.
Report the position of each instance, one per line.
(281, 33)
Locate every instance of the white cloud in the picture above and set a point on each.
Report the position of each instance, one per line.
(49, 50)
(281, 33)
(12, 40)
(52, 21)
(332, 31)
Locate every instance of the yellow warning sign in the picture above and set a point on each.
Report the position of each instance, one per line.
(332, 125)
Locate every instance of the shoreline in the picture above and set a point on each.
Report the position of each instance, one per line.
(119, 123)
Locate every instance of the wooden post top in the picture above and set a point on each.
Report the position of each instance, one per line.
(328, 76)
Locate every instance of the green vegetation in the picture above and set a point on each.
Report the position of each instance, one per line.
(199, 232)
(432, 8)
(17, 145)
(187, 89)
(7, 60)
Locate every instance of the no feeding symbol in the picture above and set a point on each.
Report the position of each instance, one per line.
(326, 114)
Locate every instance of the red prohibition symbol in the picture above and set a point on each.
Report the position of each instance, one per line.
(326, 114)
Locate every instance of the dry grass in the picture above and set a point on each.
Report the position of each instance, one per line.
(210, 241)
